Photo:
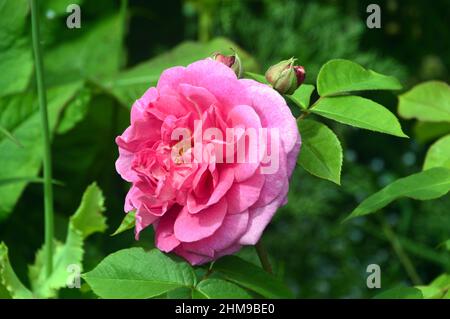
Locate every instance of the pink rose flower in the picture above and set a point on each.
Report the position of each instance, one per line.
(209, 197)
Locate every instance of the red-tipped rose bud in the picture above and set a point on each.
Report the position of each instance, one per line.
(232, 61)
(300, 73)
(285, 77)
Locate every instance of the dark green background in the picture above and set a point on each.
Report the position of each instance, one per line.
(317, 254)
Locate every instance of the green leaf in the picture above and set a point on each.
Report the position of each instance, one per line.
(37, 180)
(131, 84)
(429, 101)
(75, 111)
(251, 277)
(442, 281)
(19, 114)
(428, 131)
(16, 63)
(446, 244)
(128, 222)
(4, 293)
(429, 184)
(83, 57)
(219, 289)
(437, 288)
(134, 273)
(359, 112)
(70, 253)
(302, 95)
(401, 293)
(87, 219)
(438, 154)
(340, 76)
(10, 136)
(9, 281)
(443, 284)
(58, 6)
(257, 77)
(68, 62)
(14, 180)
(180, 293)
(321, 153)
(429, 292)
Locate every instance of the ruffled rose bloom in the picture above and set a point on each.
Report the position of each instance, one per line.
(207, 205)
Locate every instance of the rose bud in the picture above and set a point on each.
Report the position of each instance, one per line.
(300, 73)
(232, 61)
(285, 77)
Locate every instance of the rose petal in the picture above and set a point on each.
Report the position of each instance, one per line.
(192, 258)
(211, 75)
(164, 231)
(144, 218)
(200, 99)
(292, 156)
(273, 112)
(275, 183)
(141, 105)
(226, 179)
(245, 117)
(259, 219)
(192, 227)
(142, 132)
(123, 165)
(243, 195)
(227, 235)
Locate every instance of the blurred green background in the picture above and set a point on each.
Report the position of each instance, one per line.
(319, 256)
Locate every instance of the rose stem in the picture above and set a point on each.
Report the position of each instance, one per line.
(47, 159)
(401, 254)
(263, 256)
